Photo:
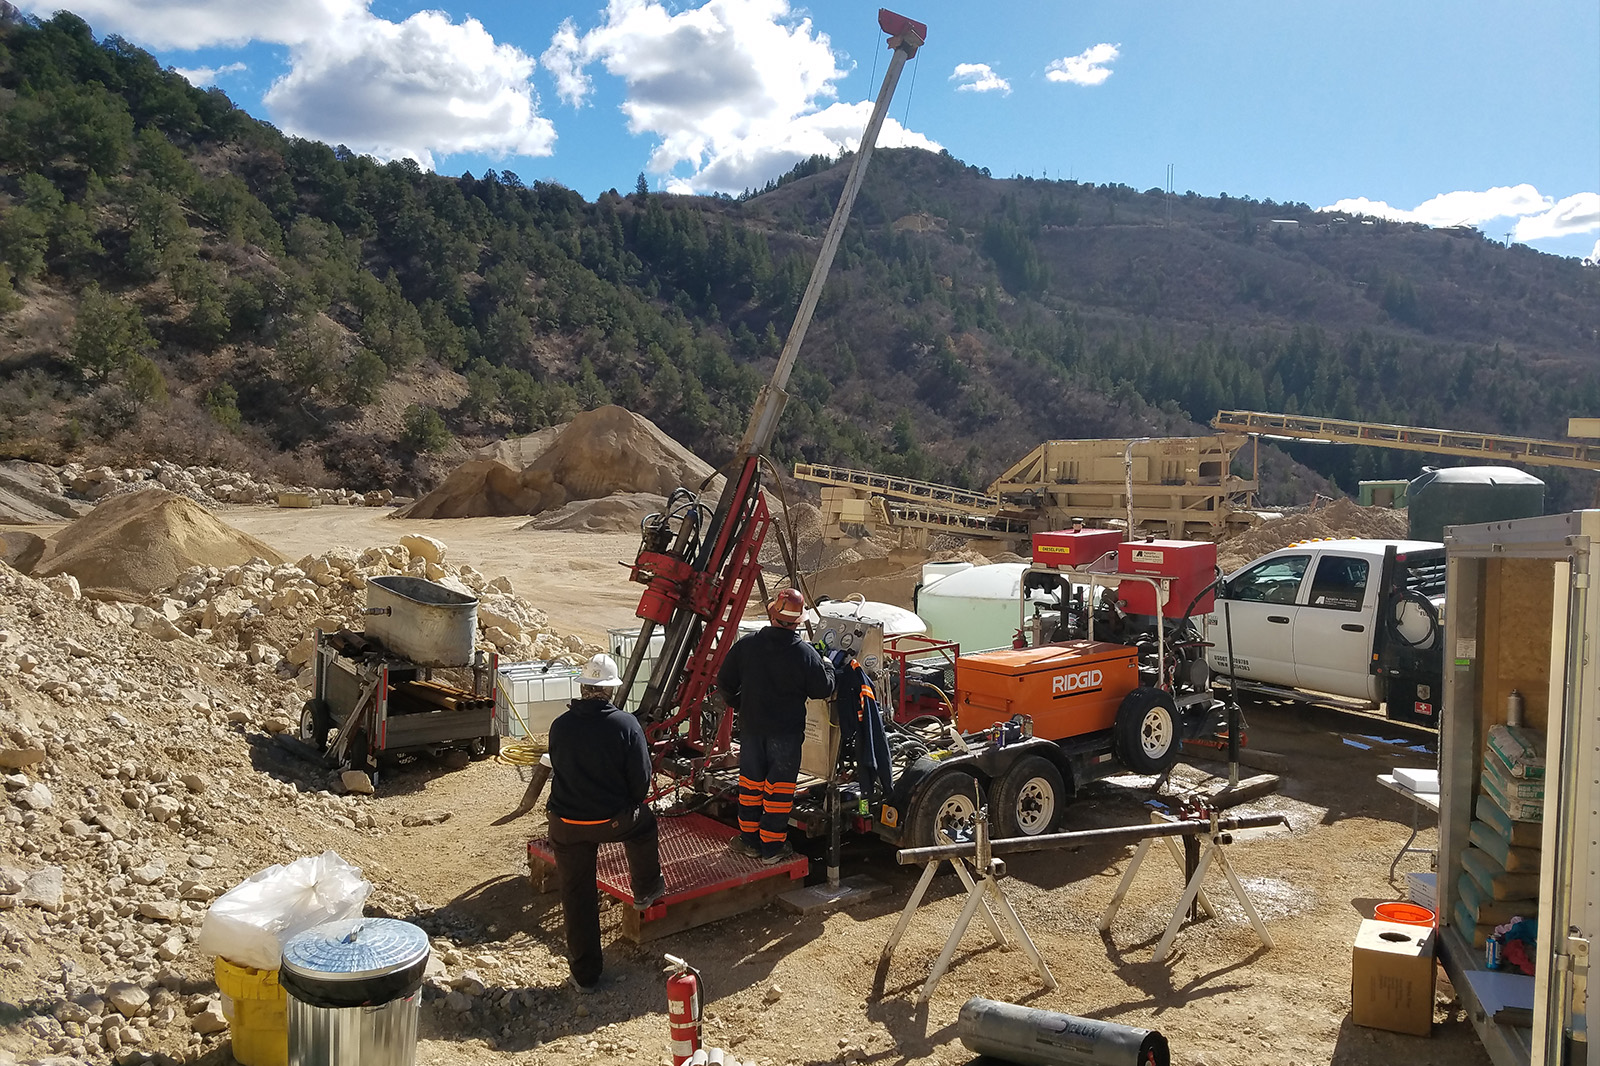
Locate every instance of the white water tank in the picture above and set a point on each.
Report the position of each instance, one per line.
(896, 621)
(932, 572)
(979, 608)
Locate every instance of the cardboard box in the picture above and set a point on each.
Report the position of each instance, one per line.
(1391, 977)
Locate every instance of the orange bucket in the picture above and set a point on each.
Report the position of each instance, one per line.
(1405, 914)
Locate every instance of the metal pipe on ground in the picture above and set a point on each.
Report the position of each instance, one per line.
(1115, 834)
(1032, 1037)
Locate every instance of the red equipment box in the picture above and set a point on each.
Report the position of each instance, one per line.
(1190, 565)
(1073, 547)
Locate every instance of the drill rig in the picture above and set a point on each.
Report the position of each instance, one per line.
(700, 565)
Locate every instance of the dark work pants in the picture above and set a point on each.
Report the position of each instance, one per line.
(768, 766)
(575, 848)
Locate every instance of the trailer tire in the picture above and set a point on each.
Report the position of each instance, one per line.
(1146, 731)
(315, 724)
(1029, 798)
(945, 812)
(484, 748)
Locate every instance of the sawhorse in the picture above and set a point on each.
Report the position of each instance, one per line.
(987, 884)
(1193, 890)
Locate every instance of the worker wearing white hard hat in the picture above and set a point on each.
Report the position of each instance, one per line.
(598, 790)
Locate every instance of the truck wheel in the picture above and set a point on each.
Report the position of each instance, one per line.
(947, 810)
(315, 724)
(1146, 731)
(1029, 798)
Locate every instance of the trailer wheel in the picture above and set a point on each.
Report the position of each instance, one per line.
(484, 748)
(1147, 731)
(946, 812)
(315, 724)
(1029, 798)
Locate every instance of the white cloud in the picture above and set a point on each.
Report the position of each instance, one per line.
(1593, 258)
(392, 89)
(736, 90)
(1537, 217)
(1579, 213)
(1089, 67)
(201, 23)
(979, 78)
(412, 88)
(200, 77)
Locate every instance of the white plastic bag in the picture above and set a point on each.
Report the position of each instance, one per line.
(249, 924)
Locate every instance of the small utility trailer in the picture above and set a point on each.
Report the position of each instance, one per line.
(375, 693)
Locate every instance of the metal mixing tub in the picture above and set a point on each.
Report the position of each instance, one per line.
(355, 989)
(422, 620)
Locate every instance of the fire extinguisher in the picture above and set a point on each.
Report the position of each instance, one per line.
(683, 1009)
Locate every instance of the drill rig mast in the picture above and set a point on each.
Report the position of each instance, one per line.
(700, 565)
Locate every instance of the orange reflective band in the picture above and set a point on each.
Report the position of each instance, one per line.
(746, 782)
(748, 827)
(779, 808)
(781, 788)
(772, 838)
(575, 821)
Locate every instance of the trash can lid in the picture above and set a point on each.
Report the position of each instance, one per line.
(355, 949)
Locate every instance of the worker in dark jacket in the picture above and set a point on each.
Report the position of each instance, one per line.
(767, 677)
(600, 780)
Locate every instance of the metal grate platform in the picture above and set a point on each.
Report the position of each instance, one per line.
(695, 860)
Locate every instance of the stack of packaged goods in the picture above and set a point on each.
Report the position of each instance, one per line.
(1499, 882)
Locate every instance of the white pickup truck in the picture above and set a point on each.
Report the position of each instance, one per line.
(1361, 619)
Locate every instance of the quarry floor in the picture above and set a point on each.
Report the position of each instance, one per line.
(1221, 999)
(782, 989)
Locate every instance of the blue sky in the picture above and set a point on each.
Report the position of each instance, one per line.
(1442, 111)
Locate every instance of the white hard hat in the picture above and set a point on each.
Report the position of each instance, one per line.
(600, 672)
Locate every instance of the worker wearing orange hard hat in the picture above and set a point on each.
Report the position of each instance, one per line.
(767, 678)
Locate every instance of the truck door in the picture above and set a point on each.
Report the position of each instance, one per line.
(1260, 605)
(1333, 629)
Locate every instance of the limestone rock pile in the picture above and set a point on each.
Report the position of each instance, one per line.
(206, 485)
(126, 769)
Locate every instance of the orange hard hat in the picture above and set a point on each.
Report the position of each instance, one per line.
(787, 608)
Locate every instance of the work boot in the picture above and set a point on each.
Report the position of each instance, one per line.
(783, 854)
(741, 845)
(652, 897)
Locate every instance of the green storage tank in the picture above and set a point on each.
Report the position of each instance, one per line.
(1468, 495)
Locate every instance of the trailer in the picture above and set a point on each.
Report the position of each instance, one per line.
(375, 693)
(1517, 835)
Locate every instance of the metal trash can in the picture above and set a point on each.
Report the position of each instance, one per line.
(355, 988)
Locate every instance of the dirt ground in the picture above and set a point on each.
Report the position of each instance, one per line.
(1221, 999)
(579, 578)
(790, 990)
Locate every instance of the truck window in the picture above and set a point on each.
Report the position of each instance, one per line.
(1274, 581)
(1340, 584)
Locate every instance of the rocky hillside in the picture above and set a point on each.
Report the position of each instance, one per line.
(183, 282)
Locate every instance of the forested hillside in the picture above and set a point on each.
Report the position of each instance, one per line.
(181, 279)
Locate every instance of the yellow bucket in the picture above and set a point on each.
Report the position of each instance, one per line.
(257, 1010)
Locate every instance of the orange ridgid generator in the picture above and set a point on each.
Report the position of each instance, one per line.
(1107, 674)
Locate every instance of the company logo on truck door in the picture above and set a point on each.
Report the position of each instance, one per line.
(1078, 682)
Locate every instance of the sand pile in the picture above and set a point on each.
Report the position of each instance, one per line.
(518, 452)
(138, 542)
(601, 452)
(621, 512)
(1340, 519)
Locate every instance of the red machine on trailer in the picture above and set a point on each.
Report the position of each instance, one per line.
(700, 567)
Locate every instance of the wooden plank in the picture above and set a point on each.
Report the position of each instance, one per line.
(703, 910)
